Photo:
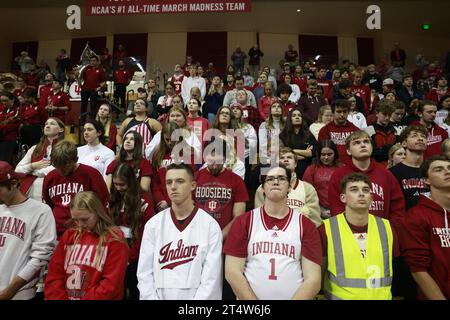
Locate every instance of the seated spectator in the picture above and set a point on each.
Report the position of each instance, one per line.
(284, 92)
(439, 91)
(195, 121)
(165, 101)
(9, 125)
(295, 95)
(104, 116)
(270, 129)
(311, 102)
(372, 78)
(396, 155)
(443, 108)
(408, 91)
(398, 117)
(354, 116)
(325, 116)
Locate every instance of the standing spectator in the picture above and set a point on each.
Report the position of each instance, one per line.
(254, 61)
(319, 174)
(310, 103)
(36, 163)
(325, 117)
(161, 276)
(327, 85)
(130, 209)
(32, 117)
(187, 65)
(122, 78)
(339, 129)
(291, 55)
(94, 153)
(42, 70)
(238, 57)
(94, 78)
(407, 172)
(165, 102)
(408, 91)
(68, 179)
(396, 73)
(295, 95)
(398, 56)
(230, 96)
(193, 80)
(119, 54)
(443, 108)
(291, 273)
(27, 235)
(436, 135)
(387, 196)
(250, 114)
(356, 242)
(269, 130)
(106, 61)
(104, 116)
(32, 78)
(195, 121)
(46, 90)
(361, 90)
(153, 95)
(249, 81)
(214, 98)
(9, 125)
(58, 102)
(425, 233)
(91, 258)
(299, 78)
(24, 61)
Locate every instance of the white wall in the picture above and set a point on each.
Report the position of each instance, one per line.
(347, 49)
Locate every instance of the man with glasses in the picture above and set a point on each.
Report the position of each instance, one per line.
(274, 252)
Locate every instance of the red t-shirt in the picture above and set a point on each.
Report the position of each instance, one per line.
(319, 177)
(44, 92)
(238, 237)
(32, 115)
(218, 194)
(60, 99)
(9, 129)
(122, 76)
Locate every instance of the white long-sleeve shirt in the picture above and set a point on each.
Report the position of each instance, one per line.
(98, 157)
(181, 261)
(24, 166)
(27, 242)
(295, 95)
(190, 82)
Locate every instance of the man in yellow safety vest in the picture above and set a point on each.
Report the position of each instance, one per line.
(357, 266)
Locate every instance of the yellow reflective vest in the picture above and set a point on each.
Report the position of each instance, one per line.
(349, 275)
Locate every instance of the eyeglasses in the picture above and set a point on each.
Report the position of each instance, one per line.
(271, 179)
(225, 113)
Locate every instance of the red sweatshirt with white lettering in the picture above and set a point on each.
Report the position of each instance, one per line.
(387, 196)
(425, 242)
(338, 134)
(58, 191)
(78, 271)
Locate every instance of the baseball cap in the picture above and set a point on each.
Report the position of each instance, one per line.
(388, 82)
(7, 172)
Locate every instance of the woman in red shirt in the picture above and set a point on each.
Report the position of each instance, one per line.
(91, 258)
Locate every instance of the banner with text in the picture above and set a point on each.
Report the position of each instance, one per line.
(126, 7)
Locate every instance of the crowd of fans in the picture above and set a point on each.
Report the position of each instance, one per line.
(316, 124)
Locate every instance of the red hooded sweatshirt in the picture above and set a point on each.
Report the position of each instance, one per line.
(436, 135)
(425, 242)
(338, 134)
(387, 196)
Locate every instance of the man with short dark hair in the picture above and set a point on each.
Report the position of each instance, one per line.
(339, 129)
(436, 135)
(387, 196)
(94, 78)
(357, 246)
(408, 91)
(311, 102)
(27, 238)
(425, 236)
(181, 249)
(122, 78)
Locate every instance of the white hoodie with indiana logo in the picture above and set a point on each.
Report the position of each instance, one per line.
(181, 261)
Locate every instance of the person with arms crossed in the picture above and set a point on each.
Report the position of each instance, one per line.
(181, 249)
(274, 252)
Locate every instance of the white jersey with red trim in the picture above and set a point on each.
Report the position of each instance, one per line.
(181, 261)
(273, 267)
(177, 81)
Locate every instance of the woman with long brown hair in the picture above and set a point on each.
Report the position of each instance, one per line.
(104, 116)
(131, 153)
(91, 258)
(36, 163)
(130, 209)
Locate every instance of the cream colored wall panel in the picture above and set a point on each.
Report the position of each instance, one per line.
(49, 50)
(348, 49)
(245, 40)
(274, 45)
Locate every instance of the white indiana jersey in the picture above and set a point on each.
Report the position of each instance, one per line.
(182, 264)
(273, 267)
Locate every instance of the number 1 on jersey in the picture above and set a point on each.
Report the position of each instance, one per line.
(272, 270)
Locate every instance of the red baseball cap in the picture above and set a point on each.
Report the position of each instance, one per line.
(7, 172)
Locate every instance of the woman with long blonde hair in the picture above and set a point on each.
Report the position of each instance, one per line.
(91, 258)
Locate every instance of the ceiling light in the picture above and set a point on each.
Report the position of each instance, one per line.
(299, 10)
